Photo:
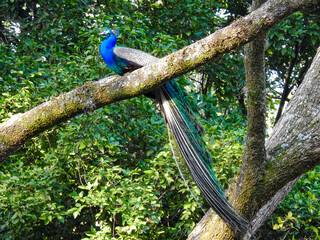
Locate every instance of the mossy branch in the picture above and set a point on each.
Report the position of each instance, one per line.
(15, 131)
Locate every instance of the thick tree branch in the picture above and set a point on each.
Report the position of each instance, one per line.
(293, 147)
(265, 212)
(20, 128)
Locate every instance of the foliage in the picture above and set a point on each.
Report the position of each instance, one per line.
(291, 47)
(298, 215)
(110, 173)
(30, 195)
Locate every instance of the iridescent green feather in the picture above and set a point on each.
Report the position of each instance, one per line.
(195, 130)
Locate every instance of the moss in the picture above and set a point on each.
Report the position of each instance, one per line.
(4, 141)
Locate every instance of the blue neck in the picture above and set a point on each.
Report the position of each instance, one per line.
(109, 42)
(106, 51)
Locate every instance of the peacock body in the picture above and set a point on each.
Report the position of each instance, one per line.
(182, 126)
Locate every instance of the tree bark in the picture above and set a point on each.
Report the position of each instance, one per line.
(292, 149)
(18, 129)
(254, 155)
(265, 212)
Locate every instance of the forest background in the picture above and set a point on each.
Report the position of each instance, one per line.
(110, 173)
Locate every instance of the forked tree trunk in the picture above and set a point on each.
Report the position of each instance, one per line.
(292, 149)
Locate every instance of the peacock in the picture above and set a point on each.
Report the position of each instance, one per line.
(185, 132)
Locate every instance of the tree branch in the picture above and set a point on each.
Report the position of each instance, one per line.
(293, 147)
(254, 155)
(264, 213)
(20, 128)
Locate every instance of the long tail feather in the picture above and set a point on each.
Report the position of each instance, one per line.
(187, 133)
(182, 168)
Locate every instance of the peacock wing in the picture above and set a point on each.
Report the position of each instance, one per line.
(134, 57)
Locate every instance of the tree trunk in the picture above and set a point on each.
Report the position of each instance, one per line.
(254, 155)
(292, 149)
